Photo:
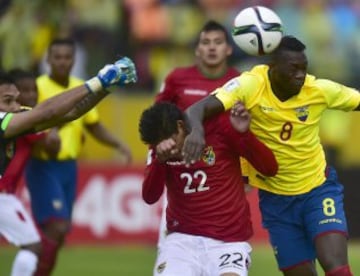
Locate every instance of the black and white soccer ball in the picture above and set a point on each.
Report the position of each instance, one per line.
(257, 30)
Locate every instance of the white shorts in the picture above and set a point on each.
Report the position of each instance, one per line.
(16, 225)
(182, 254)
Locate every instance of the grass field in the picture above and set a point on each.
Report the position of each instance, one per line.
(138, 261)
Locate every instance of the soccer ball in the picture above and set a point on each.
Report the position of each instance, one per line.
(257, 30)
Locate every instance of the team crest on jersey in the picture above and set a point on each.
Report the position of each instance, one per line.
(302, 113)
(10, 149)
(161, 267)
(209, 156)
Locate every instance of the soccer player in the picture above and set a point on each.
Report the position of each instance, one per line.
(187, 85)
(25, 83)
(208, 217)
(302, 205)
(15, 223)
(51, 173)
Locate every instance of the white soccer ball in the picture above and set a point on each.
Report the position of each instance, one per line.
(257, 30)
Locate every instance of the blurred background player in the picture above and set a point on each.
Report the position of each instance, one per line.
(25, 82)
(16, 224)
(208, 216)
(302, 206)
(185, 85)
(51, 173)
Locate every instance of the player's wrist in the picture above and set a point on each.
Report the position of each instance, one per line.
(94, 85)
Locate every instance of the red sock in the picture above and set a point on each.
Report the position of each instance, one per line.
(48, 256)
(340, 271)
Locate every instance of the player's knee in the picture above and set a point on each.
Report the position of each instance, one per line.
(57, 230)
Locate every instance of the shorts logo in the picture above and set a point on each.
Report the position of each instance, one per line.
(302, 113)
(57, 204)
(161, 267)
(209, 156)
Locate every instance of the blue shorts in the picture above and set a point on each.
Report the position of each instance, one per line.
(52, 187)
(293, 222)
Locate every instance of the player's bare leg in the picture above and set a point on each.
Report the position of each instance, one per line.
(332, 254)
(52, 237)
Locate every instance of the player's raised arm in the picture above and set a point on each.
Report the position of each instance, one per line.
(196, 114)
(75, 102)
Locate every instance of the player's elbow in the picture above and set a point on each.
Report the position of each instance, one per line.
(150, 198)
(271, 169)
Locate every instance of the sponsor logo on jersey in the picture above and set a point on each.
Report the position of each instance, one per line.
(266, 109)
(175, 163)
(57, 204)
(196, 92)
(209, 156)
(302, 113)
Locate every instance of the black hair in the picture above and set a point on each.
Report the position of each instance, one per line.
(213, 25)
(5, 78)
(159, 122)
(290, 43)
(19, 74)
(62, 41)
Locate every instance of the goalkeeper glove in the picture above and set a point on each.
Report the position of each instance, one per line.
(121, 72)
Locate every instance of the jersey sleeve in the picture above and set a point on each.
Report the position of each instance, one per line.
(339, 96)
(241, 88)
(251, 148)
(91, 117)
(31, 138)
(154, 179)
(166, 92)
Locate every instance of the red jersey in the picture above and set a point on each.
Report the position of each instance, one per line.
(187, 85)
(208, 198)
(20, 151)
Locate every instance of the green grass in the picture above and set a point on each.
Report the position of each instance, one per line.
(138, 261)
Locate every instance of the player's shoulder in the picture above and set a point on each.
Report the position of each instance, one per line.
(320, 84)
(217, 124)
(254, 78)
(258, 71)
(42, 78)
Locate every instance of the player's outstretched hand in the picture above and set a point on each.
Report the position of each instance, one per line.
(240, 117)
(128, 70)
(121, 72)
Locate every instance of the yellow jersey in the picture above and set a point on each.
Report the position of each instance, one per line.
(289, 128)
(71, 134)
